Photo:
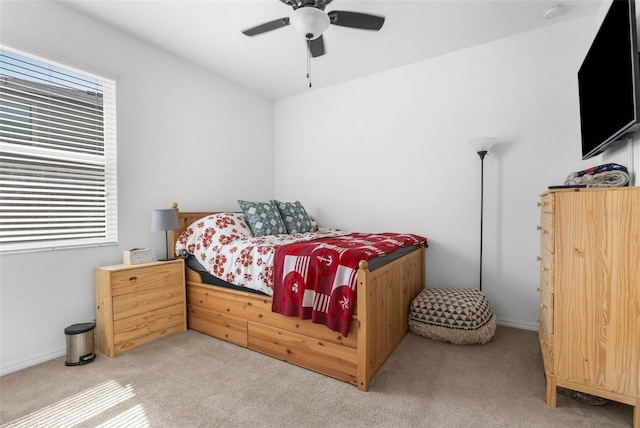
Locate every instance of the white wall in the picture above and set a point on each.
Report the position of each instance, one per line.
(389, 153)
(174, 122)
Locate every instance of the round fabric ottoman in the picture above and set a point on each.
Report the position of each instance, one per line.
(460, 316)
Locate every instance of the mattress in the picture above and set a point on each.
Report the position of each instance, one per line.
(207, 278)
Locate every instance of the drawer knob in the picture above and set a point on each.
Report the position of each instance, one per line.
(542, 306)
(133, 278)
(538, 320)
(542, 230)
(538, 289)
(538, 258)
(545, 269)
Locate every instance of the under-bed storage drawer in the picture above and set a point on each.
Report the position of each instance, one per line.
(337, 361)
(136, 304)
(216, 324)
(225, 313)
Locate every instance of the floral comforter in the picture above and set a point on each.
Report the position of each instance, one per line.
(225, 247)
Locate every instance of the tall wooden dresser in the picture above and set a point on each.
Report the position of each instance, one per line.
(590, 293)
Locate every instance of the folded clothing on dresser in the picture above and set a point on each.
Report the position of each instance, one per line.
(606, 175)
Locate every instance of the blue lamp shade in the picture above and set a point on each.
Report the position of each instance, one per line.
(163, 221)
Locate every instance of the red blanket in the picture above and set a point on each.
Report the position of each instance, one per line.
(317, 279)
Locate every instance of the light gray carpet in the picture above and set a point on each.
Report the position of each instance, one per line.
(192, 380)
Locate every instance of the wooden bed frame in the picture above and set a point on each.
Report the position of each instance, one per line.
(379, 321)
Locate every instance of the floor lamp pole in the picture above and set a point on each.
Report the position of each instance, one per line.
(482, 154)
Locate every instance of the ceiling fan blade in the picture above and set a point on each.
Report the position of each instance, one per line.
(295, 4)
(316, 47)
(321, 4)
(267, 26)
(362, 21)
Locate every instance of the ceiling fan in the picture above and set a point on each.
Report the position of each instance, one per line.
(310, 20)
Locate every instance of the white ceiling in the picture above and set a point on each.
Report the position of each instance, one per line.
(208, 33)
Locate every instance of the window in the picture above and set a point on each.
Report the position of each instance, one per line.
(57, 156)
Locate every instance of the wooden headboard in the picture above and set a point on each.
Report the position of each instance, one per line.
(184, 220)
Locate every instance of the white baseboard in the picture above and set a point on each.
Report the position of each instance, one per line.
(23, 364)
(14, 366)
(517, 324)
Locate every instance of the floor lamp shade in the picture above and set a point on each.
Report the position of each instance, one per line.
(164, 221)
(482, 145)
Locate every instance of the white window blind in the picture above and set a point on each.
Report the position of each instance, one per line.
(57, 156)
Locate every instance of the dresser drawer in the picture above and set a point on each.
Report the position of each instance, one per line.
(547, 235)
(547, 269)
(546, 204)
(546, 307)
(145, 278)
(546, 347)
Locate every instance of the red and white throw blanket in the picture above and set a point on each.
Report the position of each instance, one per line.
(317, 279)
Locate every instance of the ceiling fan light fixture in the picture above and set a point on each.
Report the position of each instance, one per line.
(310, 22)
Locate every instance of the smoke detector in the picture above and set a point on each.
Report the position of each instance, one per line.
(553, 11)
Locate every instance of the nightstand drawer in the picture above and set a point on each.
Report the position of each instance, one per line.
(140, 302)
(146, 324)
(145, 278)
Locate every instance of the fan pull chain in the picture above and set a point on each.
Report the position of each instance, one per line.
(309, 60)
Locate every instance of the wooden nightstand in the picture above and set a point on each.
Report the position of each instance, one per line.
(136, 304)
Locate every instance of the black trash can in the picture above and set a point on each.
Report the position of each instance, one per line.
(80, 344)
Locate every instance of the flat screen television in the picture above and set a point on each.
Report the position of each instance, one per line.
(608, 82)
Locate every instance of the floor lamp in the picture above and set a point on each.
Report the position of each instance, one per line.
(164, 220)
(482, 145)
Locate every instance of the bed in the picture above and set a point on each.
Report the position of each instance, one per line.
(378, 323)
